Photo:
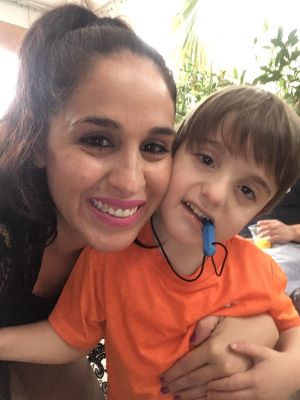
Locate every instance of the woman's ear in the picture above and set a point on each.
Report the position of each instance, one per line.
(39, 157)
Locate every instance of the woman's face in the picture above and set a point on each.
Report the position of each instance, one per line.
(108, 153)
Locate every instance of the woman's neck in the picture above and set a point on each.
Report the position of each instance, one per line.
(67, 240)
(58, 261)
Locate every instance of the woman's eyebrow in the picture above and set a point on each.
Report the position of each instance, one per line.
(162, 130)
(100, 121)
(109, 123)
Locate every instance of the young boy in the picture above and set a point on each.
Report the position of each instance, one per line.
(234, 157)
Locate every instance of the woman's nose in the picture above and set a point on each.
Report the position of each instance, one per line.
(127, 176)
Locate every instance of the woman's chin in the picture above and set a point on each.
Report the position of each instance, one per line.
(113, 243)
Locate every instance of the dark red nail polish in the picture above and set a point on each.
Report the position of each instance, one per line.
(164, 390)
(192, 339)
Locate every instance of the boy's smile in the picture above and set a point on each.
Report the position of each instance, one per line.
(211, 182)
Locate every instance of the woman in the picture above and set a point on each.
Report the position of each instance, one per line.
(85, 158)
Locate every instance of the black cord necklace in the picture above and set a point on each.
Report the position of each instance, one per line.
(218, 273)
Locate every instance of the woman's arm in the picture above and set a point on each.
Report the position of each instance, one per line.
(214, 359)
(36, 343)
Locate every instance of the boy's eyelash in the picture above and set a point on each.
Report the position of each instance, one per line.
(205, 158)
(250, 193)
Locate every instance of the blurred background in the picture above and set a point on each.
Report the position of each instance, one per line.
(207, 43)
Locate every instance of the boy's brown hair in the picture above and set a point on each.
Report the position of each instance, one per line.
(253, 123)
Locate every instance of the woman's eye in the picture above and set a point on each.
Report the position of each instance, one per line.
(96, 141)
(155, 148)
(248, 192)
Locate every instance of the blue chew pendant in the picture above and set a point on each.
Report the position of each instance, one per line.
(208, 237)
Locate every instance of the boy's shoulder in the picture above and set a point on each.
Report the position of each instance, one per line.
(251, 260)
(245, 246)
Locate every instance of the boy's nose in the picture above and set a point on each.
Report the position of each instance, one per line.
(127, 177)
(216, 192)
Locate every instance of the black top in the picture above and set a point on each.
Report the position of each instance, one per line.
(287, 211)
(21, 253)
(22, 244)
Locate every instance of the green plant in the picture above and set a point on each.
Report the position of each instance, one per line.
(283, 67)
(191, 46)
(196, 81)
(194, 85)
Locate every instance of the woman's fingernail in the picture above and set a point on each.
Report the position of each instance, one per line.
(162, 380)
(176, 397)
(193, 338)
(164, 390)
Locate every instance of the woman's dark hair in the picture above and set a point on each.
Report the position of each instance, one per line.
(56, 53)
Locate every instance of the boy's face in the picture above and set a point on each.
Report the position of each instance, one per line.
(211, 182)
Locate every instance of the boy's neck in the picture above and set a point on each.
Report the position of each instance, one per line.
(185, 259)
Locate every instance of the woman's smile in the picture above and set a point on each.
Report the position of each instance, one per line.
(107, 156)
(117, 213)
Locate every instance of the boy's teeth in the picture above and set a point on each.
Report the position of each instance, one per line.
(195, 211)
(118, 212)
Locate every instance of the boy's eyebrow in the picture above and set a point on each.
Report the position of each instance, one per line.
(109, 123)
(260, 181)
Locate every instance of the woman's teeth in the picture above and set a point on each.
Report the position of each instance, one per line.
(118, 212)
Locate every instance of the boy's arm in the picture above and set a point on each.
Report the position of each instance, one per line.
(289, 341)
(36, 343)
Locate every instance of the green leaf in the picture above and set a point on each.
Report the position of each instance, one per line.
(277, 42)
(280, 34)
(292, 38)
(242, 78)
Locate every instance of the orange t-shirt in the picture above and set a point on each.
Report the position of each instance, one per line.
(147, 314)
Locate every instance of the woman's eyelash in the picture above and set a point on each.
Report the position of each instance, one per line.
(155, 148)
(96, 141)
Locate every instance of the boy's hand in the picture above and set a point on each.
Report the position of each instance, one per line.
(274, 376)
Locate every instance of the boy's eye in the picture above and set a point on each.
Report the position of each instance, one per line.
(248, 192)
(206, 159)
(154, 148)
(96, 141)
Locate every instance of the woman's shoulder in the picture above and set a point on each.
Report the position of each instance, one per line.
(9, 225)
(5, 236)
(20, 262)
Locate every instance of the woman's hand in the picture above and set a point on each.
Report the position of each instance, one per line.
(188, 377)
(271, 378)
